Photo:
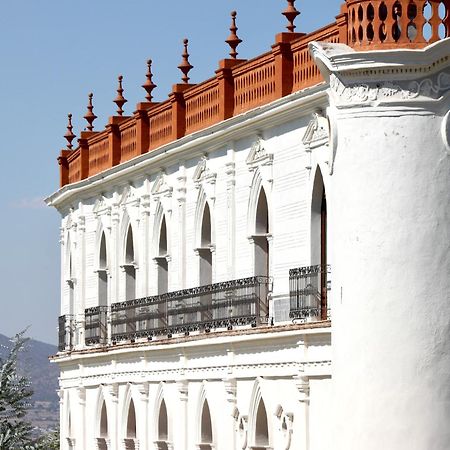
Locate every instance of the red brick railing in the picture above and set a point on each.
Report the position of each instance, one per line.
(241, 85)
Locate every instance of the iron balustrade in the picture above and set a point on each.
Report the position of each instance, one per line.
(219, 305)
(96, 331)
(65, 332)
(308, 293)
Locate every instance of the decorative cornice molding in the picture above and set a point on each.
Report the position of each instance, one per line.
(432, 88)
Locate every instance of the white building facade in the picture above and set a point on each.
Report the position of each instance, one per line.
(278, 279)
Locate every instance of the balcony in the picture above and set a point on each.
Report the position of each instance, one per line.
(96, 331)
(219, 305)
(308, 288)
(65, 332)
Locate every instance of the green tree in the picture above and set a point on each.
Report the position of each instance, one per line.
(49, 441)
(15, 392)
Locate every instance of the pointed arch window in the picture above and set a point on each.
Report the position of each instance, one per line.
(130, 267)
(162, 259)
(205, 250)
(163, 427)
(130, 439)
(103, 273)
(261, 428)
(319, 238)
(103, 429)
(71, 284)
(206, 434)
(260, 238)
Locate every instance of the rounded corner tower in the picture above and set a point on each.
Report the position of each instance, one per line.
(389, 225)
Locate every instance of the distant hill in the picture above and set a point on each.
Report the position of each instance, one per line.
(44, 411)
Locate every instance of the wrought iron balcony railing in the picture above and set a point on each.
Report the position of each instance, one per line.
(219, 305)
(308, 288)
(66, 325)
(96, 331)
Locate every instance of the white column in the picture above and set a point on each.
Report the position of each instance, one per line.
(79, 420)
(145, 240)
(181, 197)
(112, 392)
(179, 433)
(142, 418)
(230, 172)
(227, 431)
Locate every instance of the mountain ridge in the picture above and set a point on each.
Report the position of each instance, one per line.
(43, 375)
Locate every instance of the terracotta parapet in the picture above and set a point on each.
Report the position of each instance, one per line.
(176, 98)
(240, 85)
(64, 167)
(397, 23)
(83, 148)
(254, 83)
(143, 126)
(342, 24)
(284, 63)
(128, 139)
(225, 79)
(160, 124)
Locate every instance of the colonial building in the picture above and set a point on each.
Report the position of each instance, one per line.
(262, 261)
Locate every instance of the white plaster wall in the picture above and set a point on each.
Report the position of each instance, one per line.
(187, 374)
(285, 180)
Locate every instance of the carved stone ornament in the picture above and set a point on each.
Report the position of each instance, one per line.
(203, 174)
(242, 429)
(161, 187)
(128, 196)
(204, 177)
(318, 132)
(258, 155)
(431, 88)
(287, 428)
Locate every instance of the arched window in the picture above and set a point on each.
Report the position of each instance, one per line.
(206, 428)
(131, 427)
(261, 427)
(70, 283)
(102, 274)
(261, 235)
(130, 267)
(103, 429)
(204, 251)
(161, 259)
(163, 427)
(319, 237)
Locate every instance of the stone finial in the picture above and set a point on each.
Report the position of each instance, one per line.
(291, 13)
(120, 100)
(69, 136)
(185, 65)
(149, 85)
(233, 40)
(90, 116)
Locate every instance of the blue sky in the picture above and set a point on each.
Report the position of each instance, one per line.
(53, 53)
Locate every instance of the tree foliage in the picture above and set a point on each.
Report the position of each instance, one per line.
(15, 392)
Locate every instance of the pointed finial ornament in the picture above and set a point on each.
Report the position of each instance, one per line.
(69, 136)
(185, 65)
(120, 100)
(233, 40)
(90, 116)
(149, 85)
(291, 13)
